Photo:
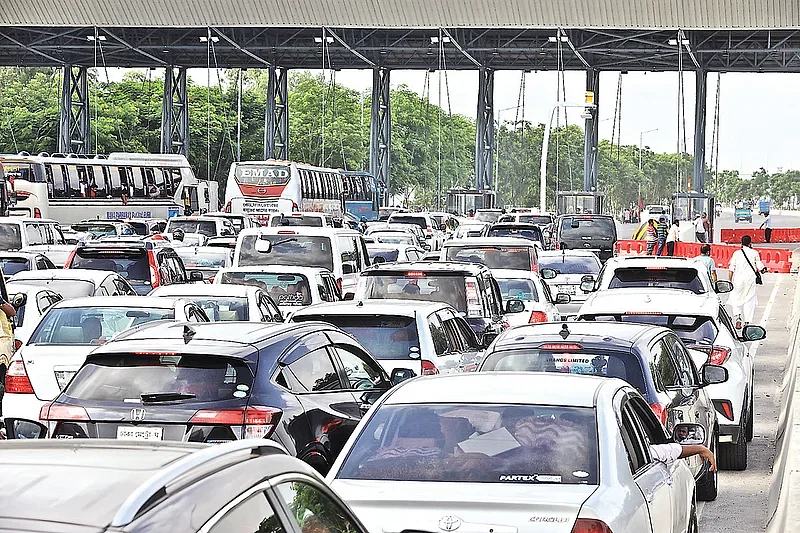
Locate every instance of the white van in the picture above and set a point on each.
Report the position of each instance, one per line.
(17, 233)
(342, 251)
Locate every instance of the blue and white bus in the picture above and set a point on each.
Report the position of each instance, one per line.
(361, 194)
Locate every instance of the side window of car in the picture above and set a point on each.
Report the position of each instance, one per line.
(362, 372)
(725, 319)
(652, 428)
(255, 514)
(686, 368)
(324, 290)
(54, 298)
(437, 334)
(632, 440)
(663, 365)
(313, 372)
(41, 264)
(348, 250)
(313, 510)
(43, 301)
(412, 255)
(548, 296)
(191, 315)
(453, 335)
(268, 308)
(468, 336)
(334, 288)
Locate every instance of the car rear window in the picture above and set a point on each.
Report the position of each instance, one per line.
(691, 329)
(12, 265)
(92, 325)
(536, 219)
(385, 337)
(570, 264)
(422, 222)
(393, 237)
(222, 308)
(130, 264)
(388, 255)
(477, 443)
(288, 250)
(532, 234)
(68, 288)
(95, 228)
(433, 287)
(518, 289)
(590, 227)
(203, 227)
(508, 257)
(672, 278)
(285, 289)
(126, 377)
(10, 237)
(311, 222)
(194, 258)
(561, 358)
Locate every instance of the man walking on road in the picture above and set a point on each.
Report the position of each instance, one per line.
(745, 273)
(708, 262)
(672, 237)
(707, 227)
(661, 234)
(767, 225)
(651, 236)
(699, 229)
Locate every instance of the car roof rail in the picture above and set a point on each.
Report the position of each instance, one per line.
(149, 492)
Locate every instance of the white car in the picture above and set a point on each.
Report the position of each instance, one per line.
(704, 326)
(388, 253)
(37, 301)
(310, 219)
(495, 252)
(291, 288)
(507, 452)
(67, 333)
(470, 228)
(225, 303)
(75, 282)
(239, 221)
(540, 306)
(570, 267)
(208, 226)
(205, 259)
(426, 337)
(433, 231)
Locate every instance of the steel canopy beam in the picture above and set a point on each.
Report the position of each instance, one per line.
(700, 131)
(74, 132)
(380, 130)
(484, 145)
(175, 113)
(276, 116)
(591, 134)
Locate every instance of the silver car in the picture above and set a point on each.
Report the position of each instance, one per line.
(570, 267)
(513, 452)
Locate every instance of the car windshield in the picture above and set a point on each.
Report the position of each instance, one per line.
(92, 325)
(68, 288)
(422, 222)
(393, 237)
(487, 216)
(540, 220)
(126, 377)
(222, 308)
(299, 220)
(567, 358)
(12, 265)
(288, 250)
(384, 336)
(10, 236)
(532, 233)
(493, 256)
(95, 228)
(203, 227)
(195, 258)
(415, 286)
(130, 264)
(570, 264)
(477, 443)
(388, 254)
(589, 227)
(285, 289)
(671, 278)
(518, 289)
(691, 329)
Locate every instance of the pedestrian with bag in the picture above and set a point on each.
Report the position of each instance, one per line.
(745, 273)
(767, 225)
(661, 234)
(672, 237)
(651, 236)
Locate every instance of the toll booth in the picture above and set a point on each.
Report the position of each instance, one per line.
(687, 205)
(462, 201)
(572, 202)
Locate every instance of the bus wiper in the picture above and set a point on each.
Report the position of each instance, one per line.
(156, 397)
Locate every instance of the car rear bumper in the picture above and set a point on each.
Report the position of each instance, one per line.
(729, 434)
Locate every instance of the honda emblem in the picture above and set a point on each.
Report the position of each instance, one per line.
(138, 414)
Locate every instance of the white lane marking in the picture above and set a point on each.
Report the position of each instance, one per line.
(767, 311)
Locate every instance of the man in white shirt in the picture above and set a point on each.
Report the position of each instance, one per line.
(744, 264)
(699, 229)
(672, 237)
(670, 452)
(767, 225)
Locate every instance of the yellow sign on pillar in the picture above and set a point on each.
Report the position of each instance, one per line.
(589, 97)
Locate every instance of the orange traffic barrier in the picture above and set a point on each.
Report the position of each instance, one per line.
(734, 235)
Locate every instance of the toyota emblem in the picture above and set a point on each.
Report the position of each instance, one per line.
(449, 523)
(138, 414)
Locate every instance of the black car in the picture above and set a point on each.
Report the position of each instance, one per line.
(596, 233)
(651, 358)
(305, 386)
(139, 487)
(532, 232)
(469, 287)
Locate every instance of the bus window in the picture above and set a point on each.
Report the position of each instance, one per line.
(346, 188)
(139, 190)
(73, 181)
(336, 186)
(98, 182)
(170, 180)
(315, 184)
(305, 184)
(326, 185)
(159, 182)
(115, 187)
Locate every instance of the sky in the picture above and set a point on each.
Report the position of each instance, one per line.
(759, 113)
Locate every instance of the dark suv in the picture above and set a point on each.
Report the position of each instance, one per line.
(144, 265)
(469, 287)
(595, 233)
(305, 386)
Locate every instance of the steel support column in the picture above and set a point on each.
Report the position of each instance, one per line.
(380, 130)
(484, 142)
(700, 131)
(591, 135)
(175, 113)
(276, 119)
(74, 132)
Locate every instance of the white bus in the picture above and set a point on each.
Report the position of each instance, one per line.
(122, 186)
(264, 188)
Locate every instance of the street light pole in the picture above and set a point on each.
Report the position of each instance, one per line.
(641, 138)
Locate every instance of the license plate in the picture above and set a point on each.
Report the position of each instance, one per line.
(139, 433)
(568, 289)
(63, 377)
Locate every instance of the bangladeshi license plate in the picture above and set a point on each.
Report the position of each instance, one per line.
(139, 433)
(567, 289)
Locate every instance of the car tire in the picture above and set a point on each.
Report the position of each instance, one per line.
(733, 456)
(748, 427)
(708, 482)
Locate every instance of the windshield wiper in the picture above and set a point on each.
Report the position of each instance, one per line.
(155, 397)
(284, 241)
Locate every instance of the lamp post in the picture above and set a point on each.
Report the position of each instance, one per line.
(641, 138)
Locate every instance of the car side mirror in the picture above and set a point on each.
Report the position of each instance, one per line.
(515, 306)
(753, 333)
(21, 428)
(713, 374)
(563, 298)
(400, 375)
(722, 286)
(263, 246)
(575, 224)
(19, 300)
(195, 275)
(378, 259)
(689, 434)
(547, 273)
(349, 297)
(348, 268)
(587, 283)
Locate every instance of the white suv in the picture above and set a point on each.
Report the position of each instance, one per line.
(433, 231)
(700, 320)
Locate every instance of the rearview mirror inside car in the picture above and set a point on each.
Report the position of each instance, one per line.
(195, 275)
(378, 259)
(722, 286)
(348, 268)
(753, 333)
(21, 428)
(575, 224)
(563, 298)
(515, 306)
(713, 374)
(263, 246)
(400, 375)
(487, 339)
(689, 434)
(548, 273)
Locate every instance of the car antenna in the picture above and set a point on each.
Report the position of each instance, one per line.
(188, 334)
(564, 331)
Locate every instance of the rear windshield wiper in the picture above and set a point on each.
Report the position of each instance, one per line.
(155, 397)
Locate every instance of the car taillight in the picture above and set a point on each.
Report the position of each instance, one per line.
(430, 229)
(70, 259)
(660, 412)
(17, 344)
(537, 316)
(724, 407)
(257, 422)
(474, 308)
(719, 355)
(590, 525)
(54, 411)
(17, 381)
(339, 283)
(428, 368)
(37, 213)
(154, 278)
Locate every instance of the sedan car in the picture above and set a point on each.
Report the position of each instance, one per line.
(494, 252)
(226, 303)
(37, 300)
(205, 259)
(531, 232)
(305, 386)
(244, 486)
(13, 262)
(75, 282)
(67, 333)
(506, 452)
(570, 267)
(652, 359)
(528, 287)
(387, 253)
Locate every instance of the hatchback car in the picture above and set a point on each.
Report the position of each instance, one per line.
(570, 266)
(652, 359)
(75, 282)
(226, 303)
(13, 262)
(303, 385)
(429, 338)
(508, 452)
(205, 259)
(67, 333)
(494, 252)
(244, 486)
(528, 287)
(595, 233)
